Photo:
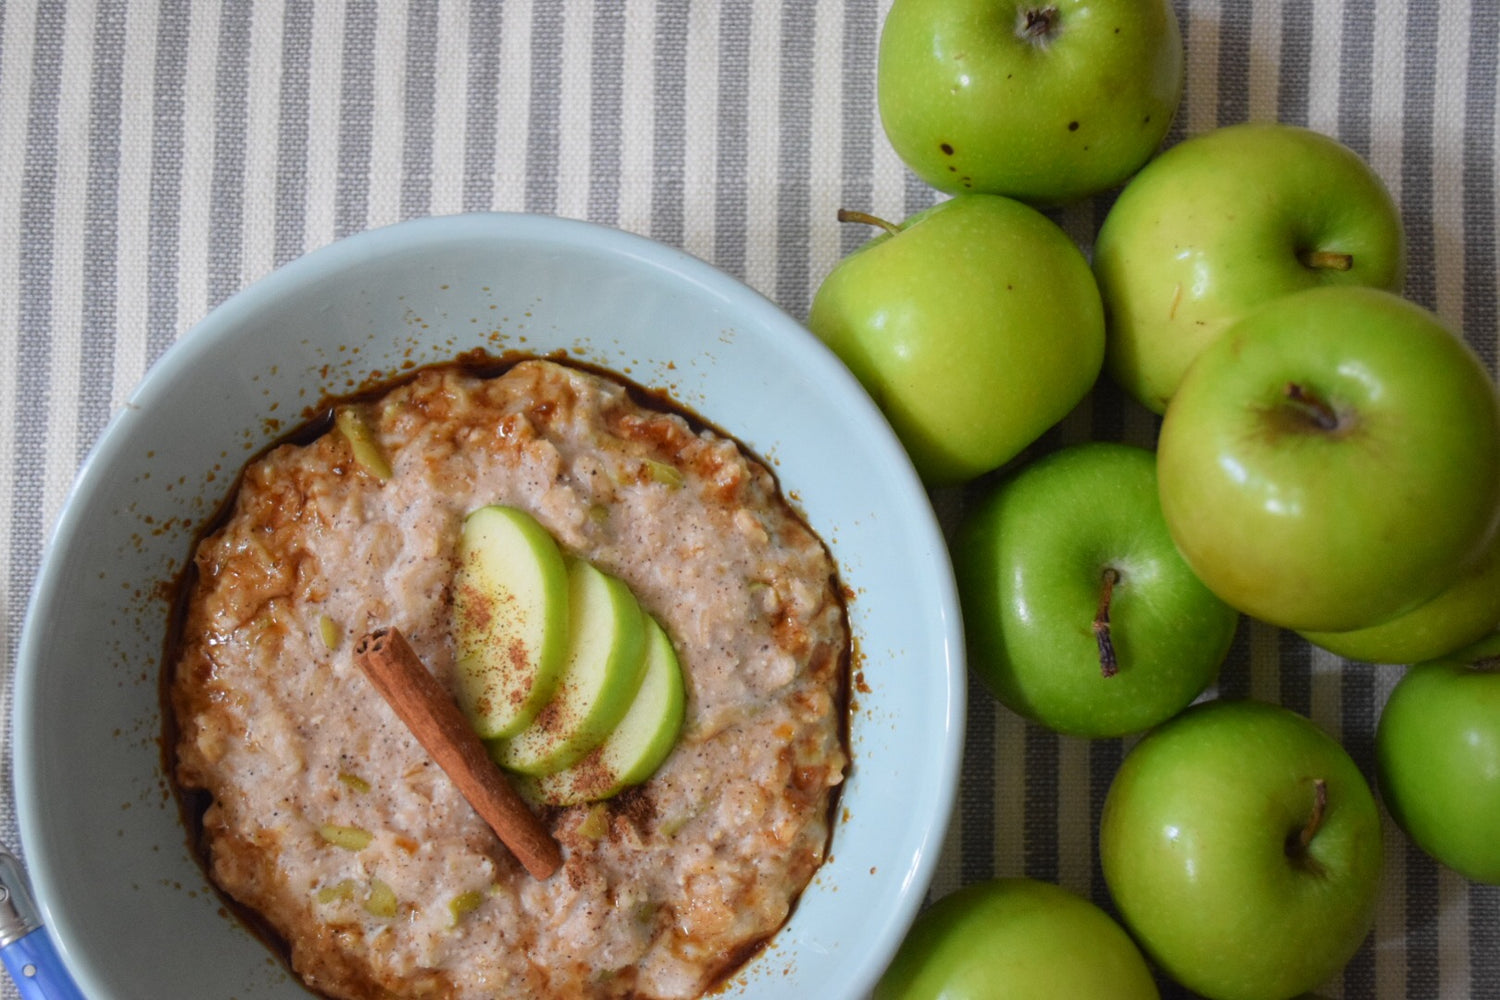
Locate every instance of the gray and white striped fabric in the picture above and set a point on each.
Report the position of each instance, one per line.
(157, 156)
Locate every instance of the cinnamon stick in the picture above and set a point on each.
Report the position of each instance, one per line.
(437, 723)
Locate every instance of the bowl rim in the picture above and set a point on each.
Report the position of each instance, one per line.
(219, 324)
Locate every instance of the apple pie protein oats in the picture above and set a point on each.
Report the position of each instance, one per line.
(322, 815)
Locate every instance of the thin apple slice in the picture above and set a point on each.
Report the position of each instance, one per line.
(510, 618)
(361, 437)
(601, 675)
(641, 741)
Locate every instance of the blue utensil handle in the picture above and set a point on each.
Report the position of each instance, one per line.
(38, 969)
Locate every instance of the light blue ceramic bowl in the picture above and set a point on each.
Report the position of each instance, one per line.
(113, 870)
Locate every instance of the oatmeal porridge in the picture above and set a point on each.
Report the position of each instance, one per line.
(324, 816)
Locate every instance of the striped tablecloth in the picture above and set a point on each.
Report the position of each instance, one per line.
(157, 156)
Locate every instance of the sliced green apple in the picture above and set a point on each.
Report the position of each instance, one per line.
(602, 672)
(361, 437)
(638, 745)
(510, 617)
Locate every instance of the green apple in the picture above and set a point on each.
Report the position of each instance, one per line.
(638, 744)
(363, 442)
(600, 676)
(510, 619)
(1080, 613)
(1048, 101)
(975, 326)
(1015, 938)
(1438, 758)
(1242, 847)
(1462, 614)
(1332, 460)
(1224, 222)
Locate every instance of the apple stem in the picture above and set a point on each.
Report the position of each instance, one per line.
(1036, 23)
(1314, 822)
(852, 215)
(1319, 413)
(1487, 664)
(1109, 663)
(1326, 260)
